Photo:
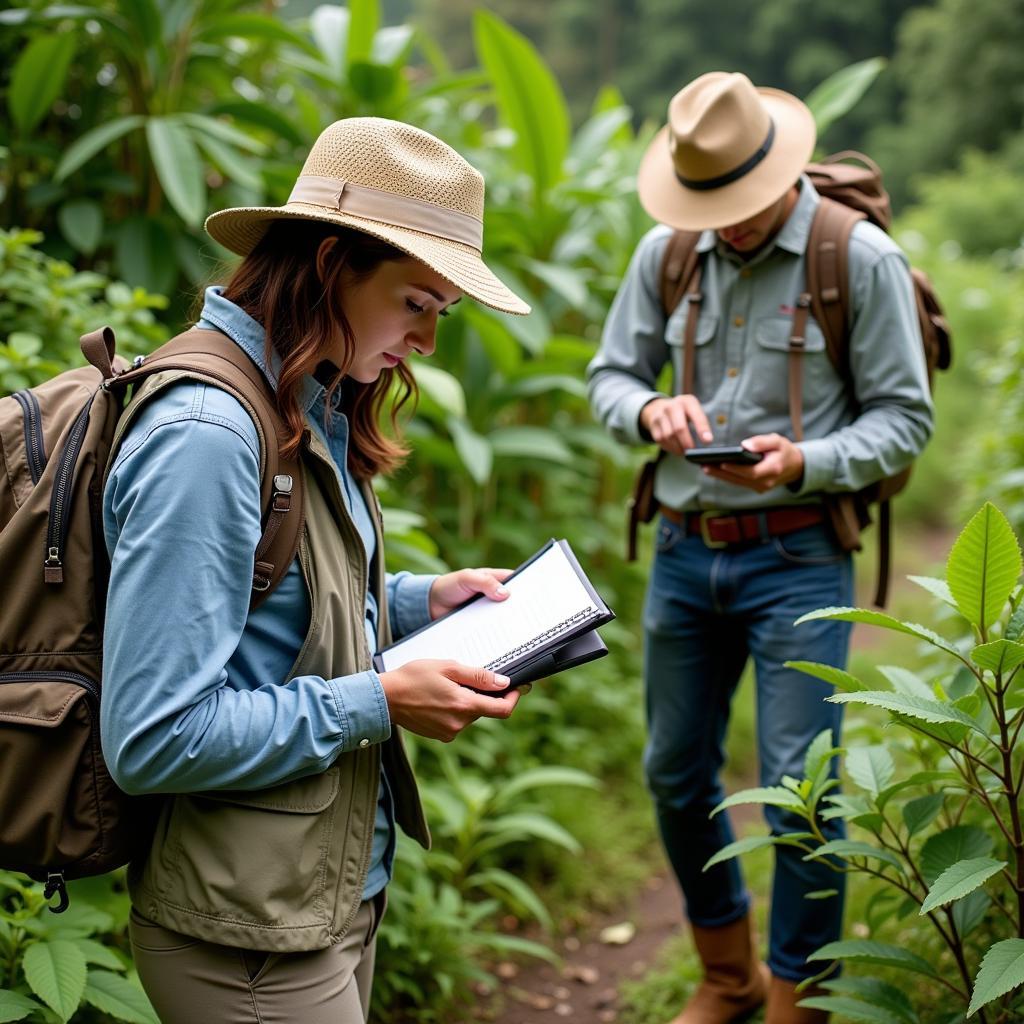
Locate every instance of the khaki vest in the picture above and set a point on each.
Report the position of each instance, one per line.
(283, 869)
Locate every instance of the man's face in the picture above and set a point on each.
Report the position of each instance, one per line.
(749, 235)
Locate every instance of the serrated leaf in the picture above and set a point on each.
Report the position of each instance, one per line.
(913, 707)
(1015, 627)
(849, 1009)
(100, 955)
(118, 997)
(819, 753)
(984, 566)
(873, 618)
(959, 880)
(999, 655)
(56, 973)
(741, 846)
(938, 588)
(775, 796)
(847, 848)
(906, 682)
(969, 912)
(869, 951)
(920, 812)
(946, 848)
(871, 768)
(840, 679)
(14, 1006)
(1002, 970)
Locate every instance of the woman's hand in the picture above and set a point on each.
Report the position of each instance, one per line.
(432, 698)
(455, 588)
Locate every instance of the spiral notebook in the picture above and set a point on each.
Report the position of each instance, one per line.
(547, 624)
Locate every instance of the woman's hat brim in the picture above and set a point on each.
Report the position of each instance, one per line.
(240, 229)
(670, 202)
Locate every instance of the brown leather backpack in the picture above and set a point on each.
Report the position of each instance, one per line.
(851, 189)
(63, 816)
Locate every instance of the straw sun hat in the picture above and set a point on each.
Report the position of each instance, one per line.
(397, 183)
(728, 152)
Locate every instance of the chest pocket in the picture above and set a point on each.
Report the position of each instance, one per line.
(769, 361)
(707, 364)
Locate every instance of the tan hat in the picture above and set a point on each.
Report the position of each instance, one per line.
(394, 182)
(728, 151)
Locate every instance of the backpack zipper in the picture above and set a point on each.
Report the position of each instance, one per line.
(33, 433)
(57, 530)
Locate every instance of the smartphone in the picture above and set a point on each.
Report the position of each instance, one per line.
(717, 454)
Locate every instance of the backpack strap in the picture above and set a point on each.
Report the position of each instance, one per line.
(213, 357)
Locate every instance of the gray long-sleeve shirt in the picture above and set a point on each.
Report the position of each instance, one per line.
(741, 377)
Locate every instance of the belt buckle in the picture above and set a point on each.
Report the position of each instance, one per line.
(705, 533)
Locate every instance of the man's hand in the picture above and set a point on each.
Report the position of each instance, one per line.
(783, 463)
(431, 698)
(668, 422)
(455, 588)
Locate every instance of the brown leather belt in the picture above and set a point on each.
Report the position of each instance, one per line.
(720, 529)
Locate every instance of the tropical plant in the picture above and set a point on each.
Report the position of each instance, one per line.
(946, 839)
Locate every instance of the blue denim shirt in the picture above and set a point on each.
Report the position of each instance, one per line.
(203, 678)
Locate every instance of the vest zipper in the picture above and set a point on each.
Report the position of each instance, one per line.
(33, 433)
(65, 677)
(57, 530)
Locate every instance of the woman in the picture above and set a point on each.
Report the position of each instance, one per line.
(260, 894)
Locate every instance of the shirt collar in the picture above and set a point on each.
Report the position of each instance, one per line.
(223, 315)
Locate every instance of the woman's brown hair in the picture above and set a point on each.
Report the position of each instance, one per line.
(277, 284)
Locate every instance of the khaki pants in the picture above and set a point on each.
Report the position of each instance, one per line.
(190, 981)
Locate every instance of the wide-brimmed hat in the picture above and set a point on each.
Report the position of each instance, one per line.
(729, 150)
(397, 183)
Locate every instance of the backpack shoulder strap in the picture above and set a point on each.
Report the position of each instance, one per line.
(678, 265)
(828, 277)
(214, 358)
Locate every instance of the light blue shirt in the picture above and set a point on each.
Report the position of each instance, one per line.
(194, 691)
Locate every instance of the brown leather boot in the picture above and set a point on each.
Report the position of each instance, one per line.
(735, 981)
(782, 1004)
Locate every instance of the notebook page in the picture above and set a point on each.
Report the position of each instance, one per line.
(542, 596)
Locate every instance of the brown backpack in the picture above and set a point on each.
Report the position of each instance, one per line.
(63, 816)
(851, 189)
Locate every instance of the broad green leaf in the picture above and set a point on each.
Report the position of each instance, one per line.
(749, 843)
(871, 768)
(545, 384)
(920, 812)
(850, 1009)
(501, 345)
(952, 845)
(178, 166)
(222, 131)
(441, 386)
(592, 140)
(374, 83)
(868, 951)
(914, 707)
(819, 753)
(1015, 627)
(854, 808)
(906, 682)
(144, 17)
(78, 921)
(553, 775)
(567, 282)
(55, 972)
(873, 618)
(100, 955)
(330, 27)
(841, 92)
(38, 77)
(145, 255)
(984, 566)
(528, 442)
(232, 164)
(92, 142)
(391, 44)
(939, 588)
(775, 796)
(24, 344)
(847, 848)
(528, 96)
(959, 880)
(81, 223)
(14, 1006)
(1002, 970)
(363, 21)
(877, 992)
(120, 998)
(263, 115)
(253, 26)
(495, 878)
(474, 450)
(969, 912)
(999, 655)
(840, 679)
(528, 825)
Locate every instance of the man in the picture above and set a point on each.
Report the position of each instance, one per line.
(744, 550)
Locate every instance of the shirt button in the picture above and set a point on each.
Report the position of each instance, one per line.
(733, 372)
(364, 742)
(738, 321)
(720, 420)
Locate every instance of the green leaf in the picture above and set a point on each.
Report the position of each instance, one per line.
(145, 255)
(474, 450)
(100, 955)
(253, 26)
(850, 1009)
(959, 880)
(440, 386)
(939, 588)
(14, 1006)
(118, 997)
(1002, 970)
(1015, 627)
(24, 344)
(920, 812)
(871, 768)
(873, 618)
(263, 115)
(93, 142)
(952, 845)
(847, 848)
(553, 775)
(533, 443)
(567, 282)
(749, 843)
(528, 825)
(841, 92)
(143, 16)
(906, 682)
(363, 21)
(522, 895)
(818, 755)
(374, 83)
(179, 167)
(821, 894)
(913, 707)
(330, 28)
(55, 972)
(868, 951)
(38, 77)
(529, 99)
(984, 566)
(775, 796)
(999, 655)
(227, 133)
(81, 223)
(877, 992)
(232, 164)
(969, 912)
(840, 679)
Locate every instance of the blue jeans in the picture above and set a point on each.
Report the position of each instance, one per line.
(706, 612)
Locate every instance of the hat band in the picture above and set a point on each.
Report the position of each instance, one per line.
(706, 184)
(388, 208)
